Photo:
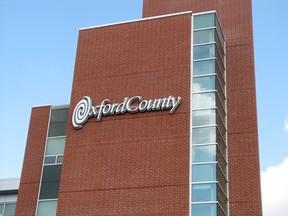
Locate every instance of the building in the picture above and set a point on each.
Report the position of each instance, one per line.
(8, 196)
(154, 104)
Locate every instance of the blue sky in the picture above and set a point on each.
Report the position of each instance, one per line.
(38, 42)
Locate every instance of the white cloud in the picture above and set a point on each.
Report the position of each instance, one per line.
(274, 186)
(286, 124)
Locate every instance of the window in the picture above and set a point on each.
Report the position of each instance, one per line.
(203, 172)
(203, 117)
(1, 209)
(203, 100)
(58, 122)
(50, 160)
(204, 67)
(54, 150)
(204, 36)
(7, 209)
(204, 51)
(204, 192)
(204, 83)
(204, 21)
(203, 154)
(57, 129)
(50, 182)
(47, 208)
(203, 135)
(60, 159)
(55, 146)
(204, 209)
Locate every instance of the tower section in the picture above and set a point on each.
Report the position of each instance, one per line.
(242, 133)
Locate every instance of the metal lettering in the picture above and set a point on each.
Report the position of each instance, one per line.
(130, 101)
(85, 110)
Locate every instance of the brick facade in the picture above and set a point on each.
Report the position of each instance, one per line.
(236, 21)
(138, 164)
(132, 164)
(33, 159)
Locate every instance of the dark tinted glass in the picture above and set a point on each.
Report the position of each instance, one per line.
(57, 129)
(58, 122)
(59, 115)
(50, 182)
(60, 159)
(50, 160)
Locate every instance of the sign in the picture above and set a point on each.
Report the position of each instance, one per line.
(85, 109)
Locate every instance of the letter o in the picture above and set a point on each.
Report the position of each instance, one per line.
(106, 109)
(143, 105)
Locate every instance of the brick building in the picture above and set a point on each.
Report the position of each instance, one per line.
(162, 119)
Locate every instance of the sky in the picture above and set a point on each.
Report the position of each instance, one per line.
(38, 42)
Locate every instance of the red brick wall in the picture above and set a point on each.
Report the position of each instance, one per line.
(33, 159)
(131, 164)
(236, 20)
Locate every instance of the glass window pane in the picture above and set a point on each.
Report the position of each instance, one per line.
(58, 122)
(203, 192)
(55, 146)
(59, 115)
(50, 182)
(57, 129)
(204, 21)
(10, 209)
(204, 209)
(204, 83)
(203, 117)
(50, 160)
(204, 172)
(47, 208)
(204, 135)
(204, 51)
(204, 67)
(204, 36)
(204, 100)
(204, 154)
(60, 159)
(1, 209)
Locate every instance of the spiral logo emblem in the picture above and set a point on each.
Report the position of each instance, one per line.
(81, 112)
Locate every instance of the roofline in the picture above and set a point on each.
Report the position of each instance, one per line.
(136, 20)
